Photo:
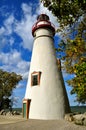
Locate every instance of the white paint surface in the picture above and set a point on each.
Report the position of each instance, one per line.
(49, 99)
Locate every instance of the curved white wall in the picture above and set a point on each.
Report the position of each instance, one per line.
(49, 99)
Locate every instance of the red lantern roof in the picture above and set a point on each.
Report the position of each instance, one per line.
(43, 22)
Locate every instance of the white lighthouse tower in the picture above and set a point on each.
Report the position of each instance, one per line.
(45, 96)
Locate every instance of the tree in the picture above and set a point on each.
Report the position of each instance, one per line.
(66, 11)
(8, 82)
(75, 63)
(71, 14)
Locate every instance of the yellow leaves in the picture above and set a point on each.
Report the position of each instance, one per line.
(79, 41)
(78, 84)
(75, 71)
(81, 58)
(75, 49)
(69, 53)
(71, 41)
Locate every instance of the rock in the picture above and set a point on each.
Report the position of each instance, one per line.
(84, 122)
(9, 113)
(16, 113)
(78, 121)
(85, 113)
(2, 112)
(69, 117)
(79, 116)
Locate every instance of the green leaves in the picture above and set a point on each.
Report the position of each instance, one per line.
(78, 67)
(67, 11)
(8, 82)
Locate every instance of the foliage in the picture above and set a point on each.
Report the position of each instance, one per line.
(67, 11)
(74, 58)
(8, 82)
(79, 82)
(75, 63)
(71, 14)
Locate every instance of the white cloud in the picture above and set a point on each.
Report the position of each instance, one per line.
(2, 30)
(10, 58)
(26, 8)
(22, 64)
(6, 31)
(16, 100)
(3, 42)
(23, 28)
(20, 85)
(8, 24)
(13, 62)
(11, 41)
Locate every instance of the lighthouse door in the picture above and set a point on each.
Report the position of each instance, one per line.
(24, 110)
(26, 107)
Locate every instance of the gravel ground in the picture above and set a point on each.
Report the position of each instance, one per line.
(18, 123)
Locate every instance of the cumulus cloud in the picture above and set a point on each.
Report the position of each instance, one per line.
(20, 85)
(2, 30)
(11, 41)
(23, 28)
(10, 58)
(6, 31)
(8, 23)
(27, 9)
(13, 62)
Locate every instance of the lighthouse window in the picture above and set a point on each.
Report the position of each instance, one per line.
(35, 78)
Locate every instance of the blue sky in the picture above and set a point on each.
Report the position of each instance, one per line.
(16, 41)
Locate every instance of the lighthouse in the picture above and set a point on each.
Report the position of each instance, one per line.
(45, 96)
